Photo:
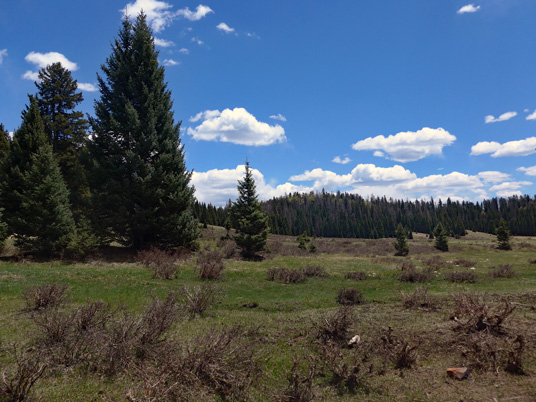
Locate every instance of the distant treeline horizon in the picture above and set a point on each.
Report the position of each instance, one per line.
(352, 216)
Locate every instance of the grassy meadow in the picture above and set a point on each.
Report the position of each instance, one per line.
(292, 338)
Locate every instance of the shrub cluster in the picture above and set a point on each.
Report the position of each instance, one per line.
(210, 265)
(409, 273)
(349, 296)
(161, 263)
(356, 275)
(503, 271)
(461, 277)
(286, 275)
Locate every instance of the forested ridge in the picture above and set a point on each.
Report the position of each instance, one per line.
(352, 216)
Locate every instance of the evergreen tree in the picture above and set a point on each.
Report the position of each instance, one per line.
(503, 236)
(45, 225)
(3, 231)
(66, 128)
(441, 241)
(141, 193)
(248, 219)
(5, 142)
(401, 244)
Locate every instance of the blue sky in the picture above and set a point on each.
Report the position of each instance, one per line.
(408, 99)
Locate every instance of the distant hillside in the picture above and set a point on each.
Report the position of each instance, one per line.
(350, 215)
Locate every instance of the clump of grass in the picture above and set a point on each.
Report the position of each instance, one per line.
(197, 300)
(161, 263)
(357, 275)
(349, 297)
(44, 296)
(314, 271)
(461, 277)
(286, 275)
(210, 265)
(503, 271)
(419, 299)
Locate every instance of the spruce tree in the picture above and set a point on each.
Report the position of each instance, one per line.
(503, 236)
(141, 193)
(441, 241)
(45, 225)
(3, 230)
(5, 142)
(248, 219)
(66, 128)
(401, 244)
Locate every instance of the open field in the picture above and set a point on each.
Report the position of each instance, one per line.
(407, 339)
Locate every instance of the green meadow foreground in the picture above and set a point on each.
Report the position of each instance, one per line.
(276, 329)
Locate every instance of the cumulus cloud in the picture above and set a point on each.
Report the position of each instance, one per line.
(200, 12)
(3, 53)
(42, 60)
(511, 148)
(236, 126)
(279, 117)
(344, 161)
(31, 75)
(184, 51)
(87, 87)
(502, 117)
(493, 176)
(171, 62)
(454, 181)
(531, 116)
(408, 146)
(163, 43)
(469, 8)
(509, 187)
(529, 171)
(222, 26)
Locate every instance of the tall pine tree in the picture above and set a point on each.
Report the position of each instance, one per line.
(247, 217)
(141, 193)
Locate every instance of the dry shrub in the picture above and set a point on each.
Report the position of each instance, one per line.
(300, 383)
(420, 299)
(198, 299)
(464, 263)
(435, 262)
(474, 314)
(461, 277)
(16, 383)
(413, 275)
(161, 263)
(503, 271)
(227, 248)
(357, 275)
(44, 296)
(315, 271)
(210, 265)
(532, 261)
(334, 327)
(349, 296)
(286, 275)
(397, 349)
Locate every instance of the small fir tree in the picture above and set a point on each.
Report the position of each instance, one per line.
(401, 244)
(248, 219)
(441, 241)
(46, 225)
(503, 236)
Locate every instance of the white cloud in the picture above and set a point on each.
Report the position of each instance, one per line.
(469, 8)
(509, 193)
(532, 116)
(3, 53)
(237, 126)
(378, 154)
(409, 146)
(454, 182)
(511, 148)
(502, 117)
(222, 26)
(163, 43)
(197, 40)
(252, 35)
(529, 171)
(31, 75)
(344, 161)
(510, 186)
(493, 176)
(87, 87)
(200, 12)
(171, 62)
(279, 117)
(42, 60)
(184, 51)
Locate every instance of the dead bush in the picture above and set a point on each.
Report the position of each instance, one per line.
(335, 326)
(197, 300)
(420, 299)
(286, 275)
(210, 265)
(44, 296)
(349, 296)
(161, 263)
(300, 383)
(461, 277)
(532, 261)
(315, 271)
(464, 263)
(435, 262)
(357, 275)
(397, 349)
(227, 248)
(473, 313)
(16, 383)
(503, 271)
(414, 275)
